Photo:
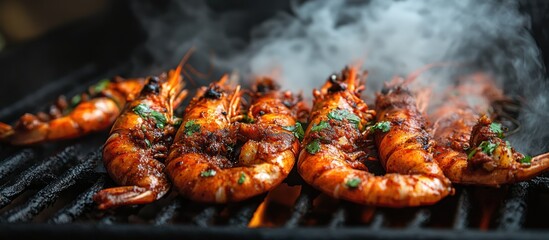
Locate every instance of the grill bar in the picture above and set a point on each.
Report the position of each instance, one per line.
(19, 183)
(461, 220)
(50, 193)
(168, 212)
(302, 206)
(338, 218)
(242, 217)
(132, 231)
(514, 209)
(15, 161)
(206, 216)
(72, 211)
(540, 184)
(378, 220)
(421, 217)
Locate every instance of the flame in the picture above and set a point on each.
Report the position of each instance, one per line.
(259, 215)
(283, 195)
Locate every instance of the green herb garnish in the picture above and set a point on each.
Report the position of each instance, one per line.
(471, 154)
(145, 111)
(526, 160)
(76, 100)
(485, 146)
(208, 173)
(383, 126)
(321, 125)
(177, 121)
(148, 143)
(344, 114)
(496, 128)
(297, 129)
(191, 127)
(353, 182)
(247, 119)
(313, 147)
(159, 118)
(241, 179)
(100, 86)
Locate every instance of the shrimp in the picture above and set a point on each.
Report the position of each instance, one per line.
(407, 148)
(470, 148)
(139, 141)
(336, 148)
(217, 159)
(66, 122)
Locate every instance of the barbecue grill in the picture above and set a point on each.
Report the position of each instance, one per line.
(46, 191)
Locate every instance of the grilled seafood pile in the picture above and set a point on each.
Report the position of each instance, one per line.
(470, 147)
(226, 150)
(335, 148)
(89, 112)
(138, 144)
(215, 158)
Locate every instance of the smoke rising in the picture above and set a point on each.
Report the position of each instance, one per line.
(389, 38)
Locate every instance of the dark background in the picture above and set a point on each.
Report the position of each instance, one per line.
(66, 39)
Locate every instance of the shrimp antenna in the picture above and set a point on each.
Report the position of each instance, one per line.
(415, 74)
(175, 78)
(351, 82)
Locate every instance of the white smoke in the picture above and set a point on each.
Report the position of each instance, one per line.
(389, 38)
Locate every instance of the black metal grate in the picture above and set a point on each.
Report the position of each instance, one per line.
(58, 189)
(47, 191)
(54, 184)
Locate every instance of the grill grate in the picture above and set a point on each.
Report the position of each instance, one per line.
(52, 186)
(77, 171)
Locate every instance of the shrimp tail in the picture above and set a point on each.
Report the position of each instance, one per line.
(118, 196)
(538, 165)
(6, 131)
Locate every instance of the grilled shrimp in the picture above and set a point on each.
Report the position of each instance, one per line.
(139, 141)
(470, 148)
(406, 149)
(214, 158)
(335, 150)
(65, 122)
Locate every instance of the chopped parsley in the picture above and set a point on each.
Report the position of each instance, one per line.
(496, 128)
(353, 182)
(485, 146)
(145, 111)
(344, 114)
(241, 179)
(100, 86)
(160, 119)
(177, 121)
(247, 119)
(488, 147)
(208, 173)
(471, 154)
(297, 129)
(526, 160)
(383, 126)
(191, 127)
(76, 100)
(148, 143)
(321, 125)
(313, 147)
